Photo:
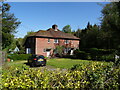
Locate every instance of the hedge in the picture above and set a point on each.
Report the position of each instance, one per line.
(18, 56)
(81, 77)
(96, 54)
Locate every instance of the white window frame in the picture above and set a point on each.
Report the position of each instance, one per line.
(55, 40)
(66, 41)
(28, 50)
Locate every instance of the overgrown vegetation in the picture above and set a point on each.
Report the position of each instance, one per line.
(92, 76)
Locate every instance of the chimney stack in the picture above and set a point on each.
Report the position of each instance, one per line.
(55, 27)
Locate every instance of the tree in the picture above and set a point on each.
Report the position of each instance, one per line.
(110, 23)
(25, 37)
(89, 26)
(9, 25)
(89, 37)
(67, 29)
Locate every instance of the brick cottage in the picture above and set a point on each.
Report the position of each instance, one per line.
(45, 42)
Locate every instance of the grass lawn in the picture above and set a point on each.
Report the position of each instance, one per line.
(68, 63)
(57, 62)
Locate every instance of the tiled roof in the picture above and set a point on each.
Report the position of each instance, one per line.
(54, 34)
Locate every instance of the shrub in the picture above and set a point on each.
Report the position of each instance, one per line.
(69, 56)
(100, 76)
(81, 54)
(93, 76)
(19, 56)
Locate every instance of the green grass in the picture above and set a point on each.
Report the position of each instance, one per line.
(67, 63)
(57, 62)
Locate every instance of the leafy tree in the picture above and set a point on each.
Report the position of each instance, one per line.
(9, 25)
(67, 29)
(89, 36)
(19, 44)
(111, 23)
(59, 50)
(25, 37)
(89, 26)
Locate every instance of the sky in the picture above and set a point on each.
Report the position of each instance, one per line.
(36, 16)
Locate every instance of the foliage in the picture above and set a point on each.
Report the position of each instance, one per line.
(93, 76)
(111, 22)
(67, 29)
(106, 35)
(19, 43)
(80, 54)
(9, 25)
(59, 50)
(100, 76)
(95, 54)
(90, 36)
(25, 37)
(19, 56)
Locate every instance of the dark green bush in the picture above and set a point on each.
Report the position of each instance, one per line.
(102, 54)
(18, 56)
(69, 56)
(106, 57)
(81, 54)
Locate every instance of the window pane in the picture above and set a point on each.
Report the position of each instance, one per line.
(55, 40)
(48, 40)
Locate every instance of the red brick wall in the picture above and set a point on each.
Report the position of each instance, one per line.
(42, 43)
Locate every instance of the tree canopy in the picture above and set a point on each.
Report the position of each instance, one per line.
(9, 25)
(106, 35)
(67, 29)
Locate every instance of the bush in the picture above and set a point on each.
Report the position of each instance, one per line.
(19, 56)
(106, 58)
(102, 54)
(81, 54)
(84, 77)
(69, 56)
(100, 76)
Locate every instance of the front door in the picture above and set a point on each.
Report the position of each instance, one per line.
(48, 53)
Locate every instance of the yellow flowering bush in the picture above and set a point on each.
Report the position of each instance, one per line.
(92, 76)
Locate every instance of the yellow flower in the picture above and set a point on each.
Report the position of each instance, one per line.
(6, 84)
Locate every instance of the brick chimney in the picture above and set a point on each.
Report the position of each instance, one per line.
(55, 27)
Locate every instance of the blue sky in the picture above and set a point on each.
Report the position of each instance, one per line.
(42, 15)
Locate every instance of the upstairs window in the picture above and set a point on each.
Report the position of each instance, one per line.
(48, 40)
(55, 40)
(66, 41)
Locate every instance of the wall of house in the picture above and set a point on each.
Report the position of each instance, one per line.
(42, 43)
(75, 43)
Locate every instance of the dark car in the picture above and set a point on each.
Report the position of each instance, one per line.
(37, 60)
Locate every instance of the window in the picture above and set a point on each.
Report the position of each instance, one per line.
(55, 40)
(28, 50)
(44, 50)
(66, 41)
(48, 40)
(66, 50)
